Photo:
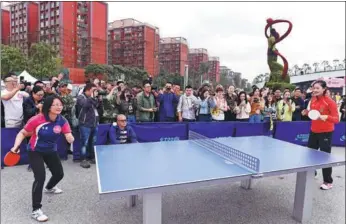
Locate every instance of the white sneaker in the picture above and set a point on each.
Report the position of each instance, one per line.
(39, 216)
(326, 186)
(54, 190)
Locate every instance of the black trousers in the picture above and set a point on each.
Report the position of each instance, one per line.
(37, 160)
(322, 141)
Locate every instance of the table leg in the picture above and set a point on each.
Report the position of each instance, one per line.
(246, 184)
(303, 196)
(152, 208)
(131, 201)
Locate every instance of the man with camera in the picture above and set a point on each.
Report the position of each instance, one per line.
(12, 98)
(167, 100)
(87, 107)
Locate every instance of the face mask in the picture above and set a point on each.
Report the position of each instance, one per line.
(168, 88)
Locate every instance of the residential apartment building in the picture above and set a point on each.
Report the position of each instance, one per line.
(173, 55)
(77, 30)
(134, 44)
(214, 69)
(197, 56)
(5, 25)
(23, 25)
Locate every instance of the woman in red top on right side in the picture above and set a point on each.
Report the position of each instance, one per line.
(322, 129)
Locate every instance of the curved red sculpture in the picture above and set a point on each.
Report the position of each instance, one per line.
(272, 53)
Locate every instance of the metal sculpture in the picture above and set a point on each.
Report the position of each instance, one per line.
(278, 73)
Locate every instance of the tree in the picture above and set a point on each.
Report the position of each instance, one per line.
(12, 59)
(316, 64)
(325, 65)
(296, 69)
(237, 80)
(243, 83)
(204, 70)
(164, 77)
(43, 61)
(336, 63)
(305, 67)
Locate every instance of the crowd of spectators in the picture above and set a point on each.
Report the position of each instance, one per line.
(101, 102)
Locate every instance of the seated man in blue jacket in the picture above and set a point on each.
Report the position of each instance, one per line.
(121, 133)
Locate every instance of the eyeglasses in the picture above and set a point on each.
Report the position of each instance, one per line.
(57, 105)
(122, 120)
(40, 95)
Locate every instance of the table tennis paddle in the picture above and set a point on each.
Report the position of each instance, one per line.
(314, 114)
(11, 158)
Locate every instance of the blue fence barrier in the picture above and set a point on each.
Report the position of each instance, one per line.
(294, 132)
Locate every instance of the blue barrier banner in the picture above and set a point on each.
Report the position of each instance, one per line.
(102, 134)
(155, 132)
(251, 129)
(8, 135)
(102, 139)
(296, 132)
(213, 129)
(339, 134)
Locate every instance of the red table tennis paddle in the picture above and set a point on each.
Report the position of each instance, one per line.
(11, 158)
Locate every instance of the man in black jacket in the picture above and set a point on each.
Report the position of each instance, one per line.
(88, 117)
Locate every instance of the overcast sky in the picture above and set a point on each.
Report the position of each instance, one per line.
(234, 31)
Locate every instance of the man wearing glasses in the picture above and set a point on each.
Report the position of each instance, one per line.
(12, 98)
(121, 133)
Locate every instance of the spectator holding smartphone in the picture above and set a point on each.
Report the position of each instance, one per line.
(285, 107)
(12, 99)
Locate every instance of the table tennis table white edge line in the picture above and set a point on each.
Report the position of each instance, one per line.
(181, 183)
(97, 172)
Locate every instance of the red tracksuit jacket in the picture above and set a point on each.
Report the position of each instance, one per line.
(326, 106)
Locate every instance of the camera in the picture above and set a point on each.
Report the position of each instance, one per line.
(102, 92)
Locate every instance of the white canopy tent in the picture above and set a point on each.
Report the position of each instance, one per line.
(27, 77)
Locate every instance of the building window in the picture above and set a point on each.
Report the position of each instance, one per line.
(52, 22)
(57, 12)
(42, 24)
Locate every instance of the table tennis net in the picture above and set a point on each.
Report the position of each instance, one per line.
(228, 153)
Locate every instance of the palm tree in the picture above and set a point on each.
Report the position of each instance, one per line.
(305, 67)
(325, 65)
(289, 72)
(336, 62)
(316, 64)
(296, 69)
(309, 70)
(329, 68)
(341, 66)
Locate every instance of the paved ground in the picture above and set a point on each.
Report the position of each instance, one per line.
(269, 202)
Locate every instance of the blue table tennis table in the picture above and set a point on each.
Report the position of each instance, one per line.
(149, 169)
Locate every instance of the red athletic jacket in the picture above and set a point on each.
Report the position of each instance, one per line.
(326, 106)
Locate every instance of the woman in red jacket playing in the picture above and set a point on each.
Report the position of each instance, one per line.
(322, 129)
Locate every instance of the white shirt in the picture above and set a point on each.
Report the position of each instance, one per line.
(14, 109)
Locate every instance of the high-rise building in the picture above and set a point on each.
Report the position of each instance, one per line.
(5, 25)
(134, 44)
(173, 54)
(214, 69)
(196, 57)
(77, 30)
(24, 25)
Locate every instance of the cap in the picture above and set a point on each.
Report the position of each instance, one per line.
(69, 86)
